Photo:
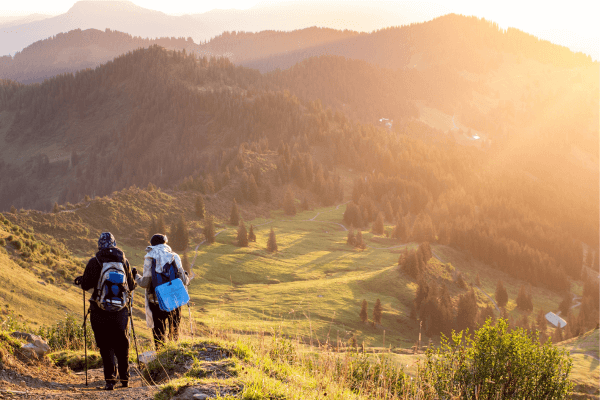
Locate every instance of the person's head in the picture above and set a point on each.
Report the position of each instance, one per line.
(106, 241)
(158, 239)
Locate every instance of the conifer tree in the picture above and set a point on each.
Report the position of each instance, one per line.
(185, 263)
(251, 235)
(350, 239)
(242, 235)
(209, 229)
(524, 301)
(377, 312)
(152, 228)
(268, 194)
(234, 218)
(477, 280)
(377, 228)
(358, 241)
(199, 207)
(182, 235)
(160, 225)
(364, 317)
(304, 205)
(272, 242)
(252, 190)
(289, 208)
(501, 295)
(466, 311)
(55, 209)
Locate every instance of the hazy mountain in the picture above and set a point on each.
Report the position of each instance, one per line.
(9, 21)
(77, 50)
(126, 17)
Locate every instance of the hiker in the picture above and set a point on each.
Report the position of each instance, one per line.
(109, 307)
(158, 255)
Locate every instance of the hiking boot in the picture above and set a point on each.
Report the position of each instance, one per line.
(109, 386)
(125, 384)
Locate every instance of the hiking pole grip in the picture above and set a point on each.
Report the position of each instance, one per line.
(85, 339)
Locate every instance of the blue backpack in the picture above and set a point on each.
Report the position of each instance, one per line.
(168, 288)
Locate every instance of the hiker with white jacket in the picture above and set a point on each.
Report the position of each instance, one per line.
(159, 254)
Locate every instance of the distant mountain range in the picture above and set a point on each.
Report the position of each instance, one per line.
(125, 16)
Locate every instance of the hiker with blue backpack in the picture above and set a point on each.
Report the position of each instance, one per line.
(112, 281)
(165, 282)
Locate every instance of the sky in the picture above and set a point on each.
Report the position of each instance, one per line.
(568, 23)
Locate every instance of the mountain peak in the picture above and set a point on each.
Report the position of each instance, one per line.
(100, 6)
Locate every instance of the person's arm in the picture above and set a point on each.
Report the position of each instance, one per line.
(91, 275)
(130, 280)
(181, 272)
(145, 280)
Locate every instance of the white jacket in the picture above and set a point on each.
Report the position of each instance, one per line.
(163, 254)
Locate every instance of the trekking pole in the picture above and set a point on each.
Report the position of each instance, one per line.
(85, 339)
(133, 331)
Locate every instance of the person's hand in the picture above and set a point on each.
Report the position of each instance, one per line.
(134, 272)
(78, 280)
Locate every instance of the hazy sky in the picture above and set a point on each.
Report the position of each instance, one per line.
(569, 23)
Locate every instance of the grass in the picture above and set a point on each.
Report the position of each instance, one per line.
(311, 289)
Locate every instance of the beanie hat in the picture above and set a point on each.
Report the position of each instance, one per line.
(158, 239)
(106, 240)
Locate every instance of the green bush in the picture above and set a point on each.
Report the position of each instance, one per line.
(17, 244)
(2, 242)
(496, 363)
(67, 334)
(75, 359)
(10, 238)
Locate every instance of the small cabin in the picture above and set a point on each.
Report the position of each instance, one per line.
(556, 320)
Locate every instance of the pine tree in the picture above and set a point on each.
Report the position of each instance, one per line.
(242, 235)
(466, 311)
(268, 194)
(199, 207)
(289, 208)
(234, 218)
(252, 190)
(377, 228)
(209, 229)
(182, 235)
(399, 232)
(55, 209)
(304, 205)
(160, 225)
(251, 235)
(358, 241)
(377, 312)
(272, 242)
(541, 322)
(185, 263)
(477, 280)
(350, 239)
(364, 317)
(524, 301)
(501, 295)
(152, 228)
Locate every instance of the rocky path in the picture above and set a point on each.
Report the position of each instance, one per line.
(44, 381)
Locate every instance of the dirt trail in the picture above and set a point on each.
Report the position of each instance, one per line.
(44, 381)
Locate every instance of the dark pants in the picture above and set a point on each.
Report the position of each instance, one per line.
(162, 320)
(110, 330)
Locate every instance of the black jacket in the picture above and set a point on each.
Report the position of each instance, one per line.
(91, 275)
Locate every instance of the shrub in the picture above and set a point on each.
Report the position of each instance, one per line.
(67, 334)
(496, 363)
(2, 242)
(17, 244)
(75, 359)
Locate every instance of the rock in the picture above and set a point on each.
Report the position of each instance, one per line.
(36, 344)
(42, 283)
(22, 384)
(200, 396)
(147, 357)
